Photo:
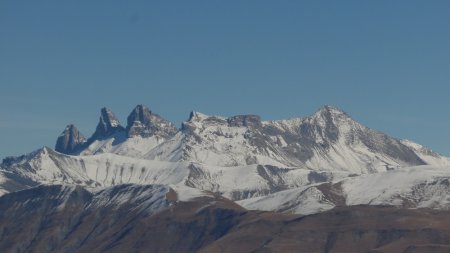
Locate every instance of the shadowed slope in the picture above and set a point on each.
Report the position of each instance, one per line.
(130, 218)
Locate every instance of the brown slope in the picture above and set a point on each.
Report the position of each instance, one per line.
(347, 229)
(210, 225)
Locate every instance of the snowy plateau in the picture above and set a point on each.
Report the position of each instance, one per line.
(300, 166)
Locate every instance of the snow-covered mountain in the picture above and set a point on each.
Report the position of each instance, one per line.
(327, 140)
(302, 165)
(143, 132)
(411, 187)
(262, 187)
(46, 166)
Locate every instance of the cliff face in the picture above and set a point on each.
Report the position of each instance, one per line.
(70, 140)
(107, 126)
(143, 122)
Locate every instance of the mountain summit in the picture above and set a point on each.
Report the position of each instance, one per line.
(143, 122)
(107, 126)
(69, 140)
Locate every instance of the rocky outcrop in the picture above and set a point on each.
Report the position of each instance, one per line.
(107, 126)
(253, 121)
(70, 140)
(143, 122)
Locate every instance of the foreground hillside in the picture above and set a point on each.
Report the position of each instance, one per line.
(132, 218)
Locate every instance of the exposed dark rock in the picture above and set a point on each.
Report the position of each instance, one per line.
(318, 177)
(145, 123)
(107, 126)
(70, 140)
(379, 142)
(253, 121)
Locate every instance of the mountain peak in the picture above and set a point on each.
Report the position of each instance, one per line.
(330, 110)
(329, 115)
(108, 124)
(197, 116)
(143, 122)
(69, 140)
(109, 118)
(140, 113)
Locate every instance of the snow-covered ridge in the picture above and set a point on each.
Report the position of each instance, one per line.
(414, 187)
(148, 198)
(327, 140)
(262, 187)
(281, 165)
(110, 135)
(97, 171)
(49, 167)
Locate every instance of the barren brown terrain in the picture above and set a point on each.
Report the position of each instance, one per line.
(211, 225)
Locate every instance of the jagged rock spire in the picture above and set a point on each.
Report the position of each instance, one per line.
(107, 125)
(145, 123)
(69, 140)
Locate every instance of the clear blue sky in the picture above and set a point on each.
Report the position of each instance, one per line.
(387, 63)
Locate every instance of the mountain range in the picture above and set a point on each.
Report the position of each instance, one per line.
(231, 171)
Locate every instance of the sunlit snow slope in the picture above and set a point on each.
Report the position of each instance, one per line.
(304, 165)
